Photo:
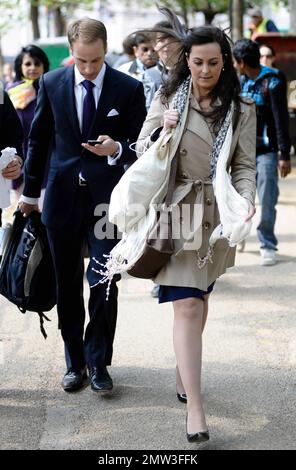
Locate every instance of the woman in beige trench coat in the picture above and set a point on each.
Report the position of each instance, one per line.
(189, 277)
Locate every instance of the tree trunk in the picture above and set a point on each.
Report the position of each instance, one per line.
(209, 15)
(184, 16)
(34, 16)
(237, 19)
(292, 5)
(59, 22)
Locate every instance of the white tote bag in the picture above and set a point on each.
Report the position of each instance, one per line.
(134, 192)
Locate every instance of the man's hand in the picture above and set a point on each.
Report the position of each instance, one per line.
(26, 209)
(106, 148)
(284, 167)
(251, 212)
(13, 169)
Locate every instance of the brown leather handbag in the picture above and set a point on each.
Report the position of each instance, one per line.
(159, 244)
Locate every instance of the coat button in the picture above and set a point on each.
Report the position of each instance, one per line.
(183, 152)
(209, 201)
(206, 225)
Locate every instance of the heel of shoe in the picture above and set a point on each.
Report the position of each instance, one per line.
(182, 397)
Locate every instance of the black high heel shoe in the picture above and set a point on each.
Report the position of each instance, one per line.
(182, 397)
(197, 437)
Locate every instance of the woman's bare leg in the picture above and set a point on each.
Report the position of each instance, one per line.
(206, 310)
(179, 384)
(188, 324)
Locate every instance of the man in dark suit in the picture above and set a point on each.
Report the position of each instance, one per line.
(86, 101)
(11, 135)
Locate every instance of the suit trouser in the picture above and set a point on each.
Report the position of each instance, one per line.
(68, 247)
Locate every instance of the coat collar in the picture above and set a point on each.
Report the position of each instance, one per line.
(196, 122)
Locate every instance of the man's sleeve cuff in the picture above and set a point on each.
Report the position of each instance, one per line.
(29, 200)
(112, 159)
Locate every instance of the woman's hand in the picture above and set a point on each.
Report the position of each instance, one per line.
(170, 119)
(13, 169)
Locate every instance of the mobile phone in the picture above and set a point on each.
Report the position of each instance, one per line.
(94, 142)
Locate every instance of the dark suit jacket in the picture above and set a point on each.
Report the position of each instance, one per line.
(11, 131)
(56, 124)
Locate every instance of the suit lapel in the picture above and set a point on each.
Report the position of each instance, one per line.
(107, 98)
(68, 97)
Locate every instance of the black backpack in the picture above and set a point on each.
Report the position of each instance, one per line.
(27, 276)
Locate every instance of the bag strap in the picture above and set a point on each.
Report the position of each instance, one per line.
(172, 180)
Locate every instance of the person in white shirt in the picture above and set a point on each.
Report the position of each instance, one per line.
(88, 101)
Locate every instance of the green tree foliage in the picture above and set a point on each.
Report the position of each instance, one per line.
(10, 13)
(184, 8)
(61, 9)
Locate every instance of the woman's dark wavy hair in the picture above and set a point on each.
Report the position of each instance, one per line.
(36, 53)
(228, 86)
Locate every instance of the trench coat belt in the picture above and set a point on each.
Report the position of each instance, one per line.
(193, 238)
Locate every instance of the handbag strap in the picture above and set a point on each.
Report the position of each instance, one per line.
(172, 180)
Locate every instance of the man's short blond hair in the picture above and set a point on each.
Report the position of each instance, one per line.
(87, 30)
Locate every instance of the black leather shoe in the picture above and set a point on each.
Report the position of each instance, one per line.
(182, 397)
(197, 437)
(73, 380)
(100, 380)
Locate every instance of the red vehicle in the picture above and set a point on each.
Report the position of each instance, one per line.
(284, 46)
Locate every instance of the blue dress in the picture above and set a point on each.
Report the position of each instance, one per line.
(171, 293)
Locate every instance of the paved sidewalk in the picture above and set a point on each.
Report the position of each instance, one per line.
(249, 384)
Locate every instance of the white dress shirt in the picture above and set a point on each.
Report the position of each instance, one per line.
(80, 92)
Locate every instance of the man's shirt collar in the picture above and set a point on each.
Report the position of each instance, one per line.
(98, 81)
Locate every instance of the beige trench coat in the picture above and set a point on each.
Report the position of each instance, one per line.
(193, 188)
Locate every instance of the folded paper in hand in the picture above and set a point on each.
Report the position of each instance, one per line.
(7, 155)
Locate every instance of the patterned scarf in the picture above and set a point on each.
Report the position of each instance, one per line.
(22, 94)
(219, 140)
(179, 103)
(180, 98)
